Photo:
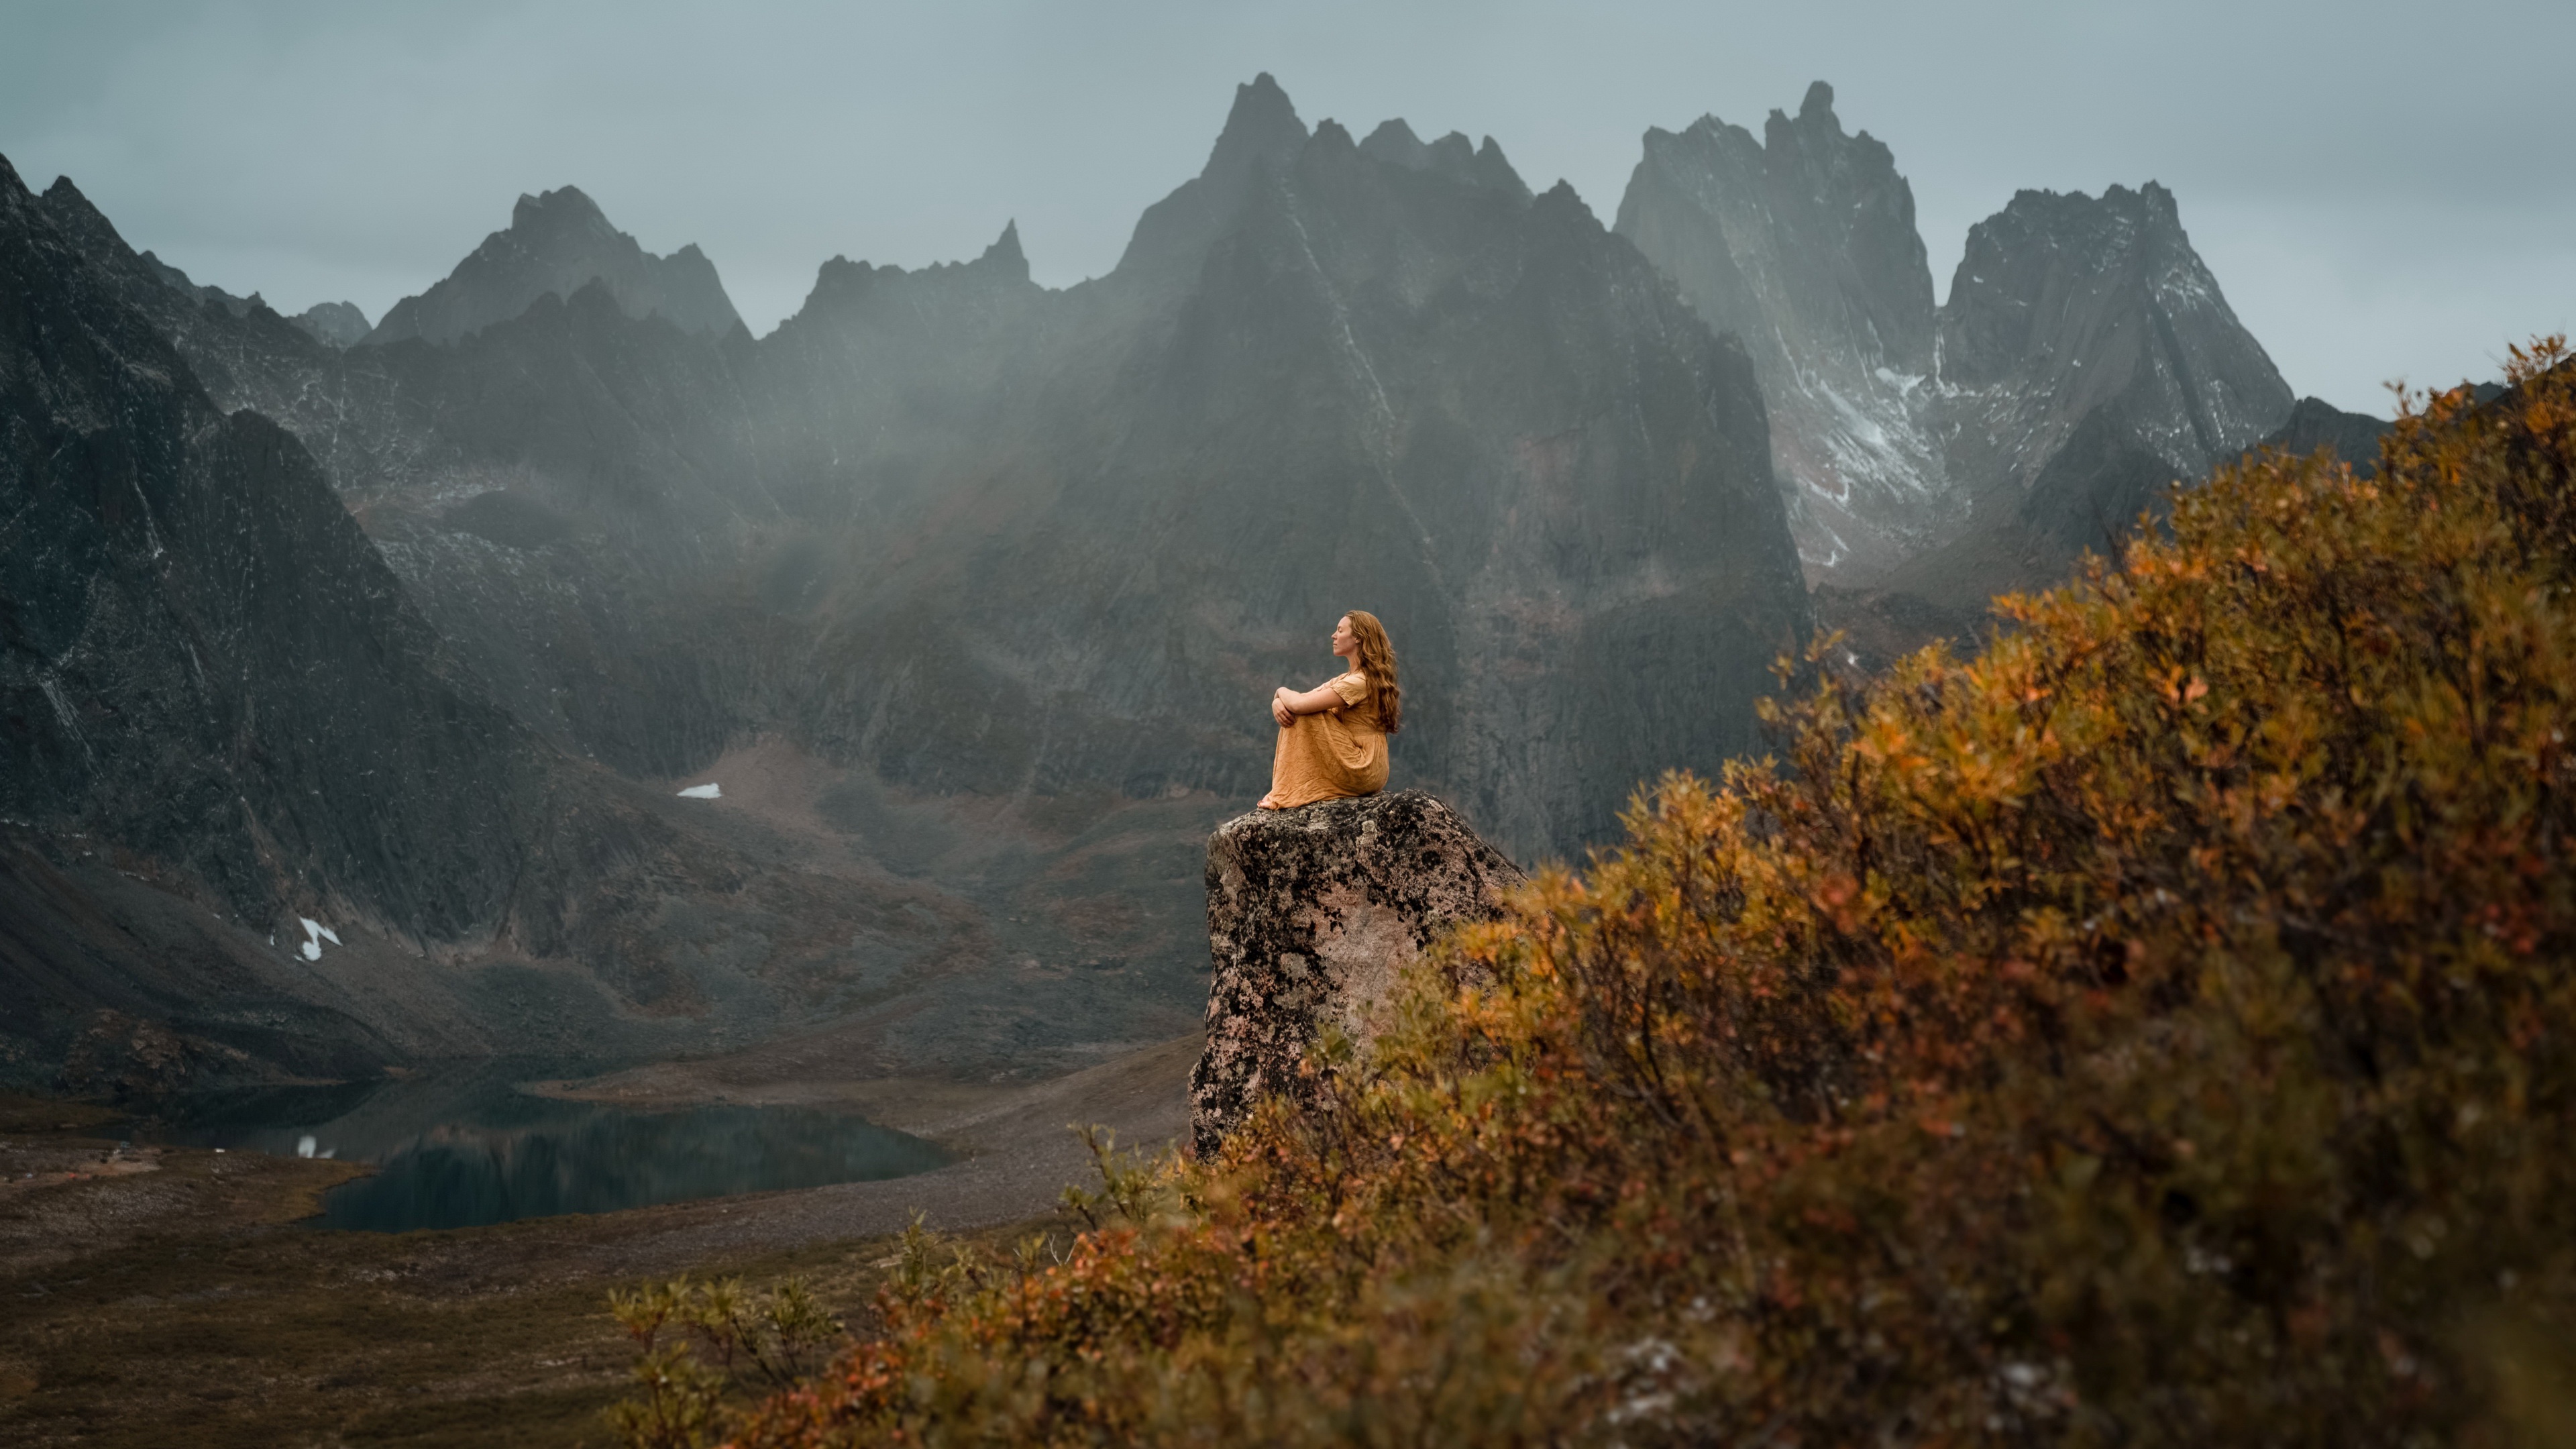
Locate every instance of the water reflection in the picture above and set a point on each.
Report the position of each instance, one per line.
(470, 1149)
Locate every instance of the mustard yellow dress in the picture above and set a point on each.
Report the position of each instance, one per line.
(1327, 756)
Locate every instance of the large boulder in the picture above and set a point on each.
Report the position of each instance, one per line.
(1311, 914)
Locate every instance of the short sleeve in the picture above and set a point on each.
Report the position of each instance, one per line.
(1352, 687)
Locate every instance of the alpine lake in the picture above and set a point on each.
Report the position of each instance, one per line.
(470, 1148)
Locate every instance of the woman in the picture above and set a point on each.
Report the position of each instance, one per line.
(1332, 738)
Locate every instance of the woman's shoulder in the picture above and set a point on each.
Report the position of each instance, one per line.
(1352, 687)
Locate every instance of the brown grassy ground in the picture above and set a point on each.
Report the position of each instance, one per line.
(154, 1297)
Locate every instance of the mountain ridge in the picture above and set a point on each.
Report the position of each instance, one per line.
(1952, 450)
(557, 242)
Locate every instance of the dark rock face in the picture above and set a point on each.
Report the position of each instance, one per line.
(558, 243)
(2069, 305)
(1453, 156)
(2085, 358)
(242, 353)
(1803, 245)
(610, 637)
(1311, 914)
(201, 643)
(2315, 423)
(340, 324)
(1262, 135)
(204, 666)
(2089, 363)
(220, 712)
(177, 281)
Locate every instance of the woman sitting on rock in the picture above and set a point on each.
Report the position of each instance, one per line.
(1332, 738)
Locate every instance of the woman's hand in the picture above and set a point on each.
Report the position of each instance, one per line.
(1286, 704)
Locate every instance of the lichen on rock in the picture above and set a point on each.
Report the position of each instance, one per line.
(1312, 913)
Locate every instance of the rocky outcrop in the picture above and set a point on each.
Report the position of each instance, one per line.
(1311, 914)
(559, 242)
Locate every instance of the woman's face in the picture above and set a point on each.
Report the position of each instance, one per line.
(1342, 644)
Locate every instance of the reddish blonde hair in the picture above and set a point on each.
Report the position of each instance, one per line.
(1377, 661)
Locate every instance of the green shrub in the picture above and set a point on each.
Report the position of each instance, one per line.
(2158, 1029)
(698, 1343)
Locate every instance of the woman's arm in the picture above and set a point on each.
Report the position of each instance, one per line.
(1287, 702)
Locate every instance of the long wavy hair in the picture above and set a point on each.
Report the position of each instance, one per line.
(1377, 661)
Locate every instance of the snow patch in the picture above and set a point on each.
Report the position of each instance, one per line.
(315, 933)
(708, 791)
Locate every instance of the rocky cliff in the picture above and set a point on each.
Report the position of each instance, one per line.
(2089, 363)
(254, 813)
(1803, 245)
(2084, 359)
(557, 243)
(1311, 915)
(203, 645)
(207, 676)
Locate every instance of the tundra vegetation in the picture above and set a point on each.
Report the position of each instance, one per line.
(2155, 1029)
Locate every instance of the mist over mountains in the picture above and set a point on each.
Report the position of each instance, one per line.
(558, 243)
(970, 589)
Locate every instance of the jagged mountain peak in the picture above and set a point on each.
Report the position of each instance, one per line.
(64, 199)
(2096, 363)
(1453, 156)
(1005, 256)
(1262, 136)
(557, 242)
(2084, 359)
(1803, 244)
(1816, 137)
(2047, 252)
(1562, 200)
(1262, 127)
(340, 324)
(1495, 170)
(564, 209)
(1393, 140)
(2077, 217)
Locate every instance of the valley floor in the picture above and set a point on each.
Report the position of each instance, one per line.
(171, 1295)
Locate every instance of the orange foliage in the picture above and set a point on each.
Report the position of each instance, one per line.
(2157, 1029)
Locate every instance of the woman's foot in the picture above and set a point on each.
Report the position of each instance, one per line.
(1265, 804)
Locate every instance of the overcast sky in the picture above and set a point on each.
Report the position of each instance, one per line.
(2384, 191)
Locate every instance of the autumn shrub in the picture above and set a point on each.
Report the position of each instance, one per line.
(2156, 1029)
